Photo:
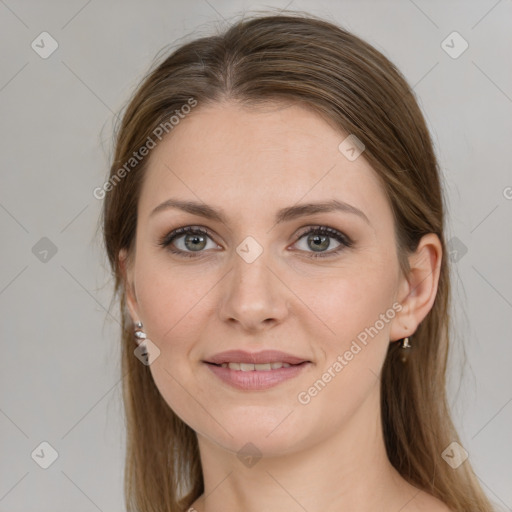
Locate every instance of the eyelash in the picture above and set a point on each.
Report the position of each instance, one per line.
(344, 240)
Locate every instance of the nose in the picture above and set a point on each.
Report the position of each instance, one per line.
(254, 297)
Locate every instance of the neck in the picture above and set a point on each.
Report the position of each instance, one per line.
(349, 471)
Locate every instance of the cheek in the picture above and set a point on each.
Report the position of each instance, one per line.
(172, 306)
(358, 309)
(170, 301)
(356, 312)
(348, 302)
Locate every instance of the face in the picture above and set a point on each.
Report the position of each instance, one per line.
(264, 273)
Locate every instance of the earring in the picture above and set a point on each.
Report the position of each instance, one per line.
(405, 345)
(140, 335)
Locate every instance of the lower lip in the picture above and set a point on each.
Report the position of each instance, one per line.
(257, 379)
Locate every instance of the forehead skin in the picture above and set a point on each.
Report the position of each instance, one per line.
(252, 162)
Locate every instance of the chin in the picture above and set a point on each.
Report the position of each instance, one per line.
(248, 442)
(270, 432)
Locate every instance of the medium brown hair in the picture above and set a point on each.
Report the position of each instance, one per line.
(303, 59)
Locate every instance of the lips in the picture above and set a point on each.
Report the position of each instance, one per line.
(262, 357)
(256, 371)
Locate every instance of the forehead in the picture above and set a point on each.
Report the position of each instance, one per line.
(258, 157)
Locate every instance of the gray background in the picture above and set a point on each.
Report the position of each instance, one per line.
(60, 373)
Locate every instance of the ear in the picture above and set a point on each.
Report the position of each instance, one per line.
(127, 273)
(417, 291)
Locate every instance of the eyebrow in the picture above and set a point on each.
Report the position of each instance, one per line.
(283, 215)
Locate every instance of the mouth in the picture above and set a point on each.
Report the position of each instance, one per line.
(256, 371)
(250, 367)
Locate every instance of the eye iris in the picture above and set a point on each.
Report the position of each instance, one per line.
(320, 241)
(198, 242)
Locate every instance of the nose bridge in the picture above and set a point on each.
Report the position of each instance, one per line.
(253, 294)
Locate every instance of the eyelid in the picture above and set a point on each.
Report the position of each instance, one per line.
(328, 230)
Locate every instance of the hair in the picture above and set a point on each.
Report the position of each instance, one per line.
(298, 58)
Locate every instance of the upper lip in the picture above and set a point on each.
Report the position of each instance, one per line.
(264, 356)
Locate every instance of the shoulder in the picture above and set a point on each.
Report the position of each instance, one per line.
(424, 502)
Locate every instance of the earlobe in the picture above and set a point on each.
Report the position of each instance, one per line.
(419, 288)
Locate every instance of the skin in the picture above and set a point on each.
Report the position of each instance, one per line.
(249, 163)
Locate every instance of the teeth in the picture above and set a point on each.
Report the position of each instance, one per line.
(248, 367)
(262, 366)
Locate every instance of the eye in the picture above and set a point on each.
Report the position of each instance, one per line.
(190, 241)
(318, 239)
(187, 240)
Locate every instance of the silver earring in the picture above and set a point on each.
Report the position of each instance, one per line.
(405, 343)
(140, 335)
(405, 346)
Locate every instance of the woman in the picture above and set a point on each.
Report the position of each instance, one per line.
(274, 222)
